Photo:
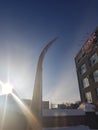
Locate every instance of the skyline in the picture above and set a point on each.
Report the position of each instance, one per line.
(27, 26)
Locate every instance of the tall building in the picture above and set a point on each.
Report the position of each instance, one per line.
(87, 69)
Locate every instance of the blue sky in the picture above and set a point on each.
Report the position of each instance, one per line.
(26, 26)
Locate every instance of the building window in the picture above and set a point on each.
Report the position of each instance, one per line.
(97, 92)
(94, 59)
(85, 82)
(95, 75)
(83, 69)
(88, 97)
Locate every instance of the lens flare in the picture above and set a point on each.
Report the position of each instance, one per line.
(3, 114)
(7, 88)
(32, 121)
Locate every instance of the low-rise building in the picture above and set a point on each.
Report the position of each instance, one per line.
(87, 69)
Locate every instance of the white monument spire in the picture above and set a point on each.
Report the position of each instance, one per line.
(36, 105)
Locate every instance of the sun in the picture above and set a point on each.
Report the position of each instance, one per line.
(7, 88)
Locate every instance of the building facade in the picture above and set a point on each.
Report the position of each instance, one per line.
(87, 69)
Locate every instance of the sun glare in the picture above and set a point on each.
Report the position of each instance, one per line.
(7, 88)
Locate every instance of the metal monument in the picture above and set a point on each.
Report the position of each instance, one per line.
(36, 105)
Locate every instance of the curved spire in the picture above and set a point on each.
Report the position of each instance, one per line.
(36, 105)
(44, 51)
